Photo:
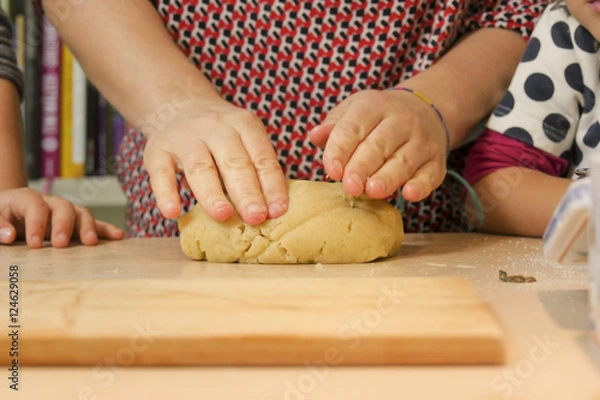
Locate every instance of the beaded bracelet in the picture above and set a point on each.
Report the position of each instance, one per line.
(429, 102)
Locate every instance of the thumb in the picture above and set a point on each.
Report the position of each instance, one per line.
(320, 133)
(8, 233)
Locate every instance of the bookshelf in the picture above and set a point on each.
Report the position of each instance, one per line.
(101, 194)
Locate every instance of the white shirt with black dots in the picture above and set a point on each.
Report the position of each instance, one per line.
(553, 100)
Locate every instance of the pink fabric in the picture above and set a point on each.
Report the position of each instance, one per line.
(493, 151)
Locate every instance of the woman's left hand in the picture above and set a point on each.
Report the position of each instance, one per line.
(376, 142)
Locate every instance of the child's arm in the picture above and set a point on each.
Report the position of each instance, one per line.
(518, 165)
(12, 167)
(519, 201)
(27, 213)
(518, 185)
(131, 58)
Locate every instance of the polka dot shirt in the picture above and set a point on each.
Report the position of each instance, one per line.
(551, 102)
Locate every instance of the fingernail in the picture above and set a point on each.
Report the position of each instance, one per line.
(356, 179)
(5, 234)
(254, 209)
(276, 210)
(36, 240)
(219, 205)
(61, 237)
(376, 185)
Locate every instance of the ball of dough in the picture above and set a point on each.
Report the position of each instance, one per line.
(322, 225)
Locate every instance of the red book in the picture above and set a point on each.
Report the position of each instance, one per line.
(50, 118)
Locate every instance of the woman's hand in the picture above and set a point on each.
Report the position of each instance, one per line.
(34, 216)
(379, 141)
(221, 149)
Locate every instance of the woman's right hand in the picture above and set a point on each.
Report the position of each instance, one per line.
(227, 160)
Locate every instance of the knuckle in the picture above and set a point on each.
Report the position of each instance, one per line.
(237, 162)
(407, 163)
(412, 121)
(380, 147)
(338, 146)
(246, 116)
(83, 213)
(266, 164)
(67, 206)
(352, 130)
(159, 171)
(199, 166)
(41, 204)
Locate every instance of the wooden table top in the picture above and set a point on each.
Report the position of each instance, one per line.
(550, 354)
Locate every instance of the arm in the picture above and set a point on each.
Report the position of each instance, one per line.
(12, 166)
(465, 84)
(517, 165)
(468, 82)
(152, 75)
(518, 185)
(527, 195)
(24, 212)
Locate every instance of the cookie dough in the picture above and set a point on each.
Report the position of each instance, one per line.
(322, 225)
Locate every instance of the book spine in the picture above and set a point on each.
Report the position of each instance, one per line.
(50, 100)
(5, 4)
(108, 151)
(20, 40)
(100, 159)
(118, 131)
(79, 115)
(32, 92)
(67, 169)
(91, 129)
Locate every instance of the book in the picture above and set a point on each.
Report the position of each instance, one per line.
(91, 129)
(19, 36)
(109, 133)
(67, 169)
(119, 129)
(50, 112)
(32, 105)
(79, 115)
(72, 116)
(6, 6)
(100, 155)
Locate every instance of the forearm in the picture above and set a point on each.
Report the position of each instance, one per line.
(471, 78)
(130, 57)
(12, 166)
(519, 201)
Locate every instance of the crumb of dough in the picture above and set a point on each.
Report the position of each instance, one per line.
(504, 277)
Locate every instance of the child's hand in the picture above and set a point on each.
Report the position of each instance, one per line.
(378, 141)
(27, 213)
(217, 146)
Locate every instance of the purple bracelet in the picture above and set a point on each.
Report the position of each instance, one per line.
(430, 103)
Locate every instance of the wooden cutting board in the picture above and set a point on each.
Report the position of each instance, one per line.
(270, 321)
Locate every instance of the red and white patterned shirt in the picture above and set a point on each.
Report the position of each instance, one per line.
(290, 62)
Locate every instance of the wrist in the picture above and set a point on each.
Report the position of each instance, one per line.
(181, 97)
(438, 113)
